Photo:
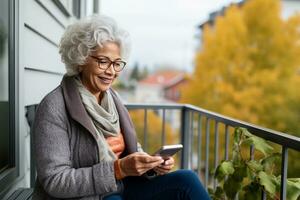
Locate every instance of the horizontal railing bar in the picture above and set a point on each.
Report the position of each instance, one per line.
(153, 106)
(283, 139)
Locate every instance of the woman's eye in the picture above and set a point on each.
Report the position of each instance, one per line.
(103, 61)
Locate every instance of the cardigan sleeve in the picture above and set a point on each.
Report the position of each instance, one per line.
(53, 158)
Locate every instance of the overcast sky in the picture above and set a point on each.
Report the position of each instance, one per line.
(163, 32)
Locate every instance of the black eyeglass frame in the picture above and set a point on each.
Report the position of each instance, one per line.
(110, 62)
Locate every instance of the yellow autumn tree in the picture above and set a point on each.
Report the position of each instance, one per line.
(154, 131)
(248, 67)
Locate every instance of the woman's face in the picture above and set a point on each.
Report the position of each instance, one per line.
(97, 79)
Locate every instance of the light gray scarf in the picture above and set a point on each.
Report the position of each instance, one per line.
(104, 116)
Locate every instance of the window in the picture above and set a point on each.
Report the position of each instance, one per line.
(8, 153)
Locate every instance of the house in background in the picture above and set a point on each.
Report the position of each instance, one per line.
(172, 90)
(160, 87)
(30, 67)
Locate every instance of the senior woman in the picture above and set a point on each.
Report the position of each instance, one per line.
(84, 140)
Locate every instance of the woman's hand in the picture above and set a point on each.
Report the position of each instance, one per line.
(165, 167)
(138, 163)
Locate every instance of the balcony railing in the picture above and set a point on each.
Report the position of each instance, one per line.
(195, 121)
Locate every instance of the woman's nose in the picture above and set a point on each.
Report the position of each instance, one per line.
(111, 69)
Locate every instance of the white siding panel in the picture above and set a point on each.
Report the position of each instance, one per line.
(38, 84)
(38, 18)
(50, 5)
(40, 53)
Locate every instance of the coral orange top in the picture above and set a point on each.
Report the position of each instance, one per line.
(116, 144)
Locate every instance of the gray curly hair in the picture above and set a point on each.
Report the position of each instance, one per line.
(84, 36)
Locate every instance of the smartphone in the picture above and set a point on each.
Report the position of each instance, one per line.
(168, 150)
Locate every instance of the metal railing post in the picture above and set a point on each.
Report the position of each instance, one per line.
(226, 142)
(163, 137)
(185, 133)
(199, 144)
(207, 132)
(145, 129)
(284, 166)
(216, 143)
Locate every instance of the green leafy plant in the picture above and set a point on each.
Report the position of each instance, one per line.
(248, 177)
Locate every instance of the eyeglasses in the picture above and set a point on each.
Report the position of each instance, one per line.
(104, 63)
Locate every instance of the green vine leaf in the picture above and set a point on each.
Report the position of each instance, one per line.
(259, 144)
(232, 187)
(293, 188)
(252, 191)
(240, 172)
(245, 132)
(238, 132)
(233, 184)
(254, 165)
(269, 182)
(219, 193)
(271, 162)
(224, 169)
(252, 172)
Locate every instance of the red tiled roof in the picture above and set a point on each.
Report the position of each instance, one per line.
(164, 78)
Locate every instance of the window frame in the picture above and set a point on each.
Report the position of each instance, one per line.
(9, 175)
(76, 9)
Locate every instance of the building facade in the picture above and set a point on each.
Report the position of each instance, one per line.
(30, 67)
(288, 8)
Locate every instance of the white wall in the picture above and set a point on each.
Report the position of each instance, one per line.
(145, 93)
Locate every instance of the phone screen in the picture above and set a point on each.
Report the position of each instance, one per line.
(168, 150)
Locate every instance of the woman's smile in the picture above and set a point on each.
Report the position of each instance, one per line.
(105, 80)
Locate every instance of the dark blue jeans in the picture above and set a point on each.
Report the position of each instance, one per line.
(178, 185)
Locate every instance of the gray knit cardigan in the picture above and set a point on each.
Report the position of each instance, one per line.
(65, 147)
